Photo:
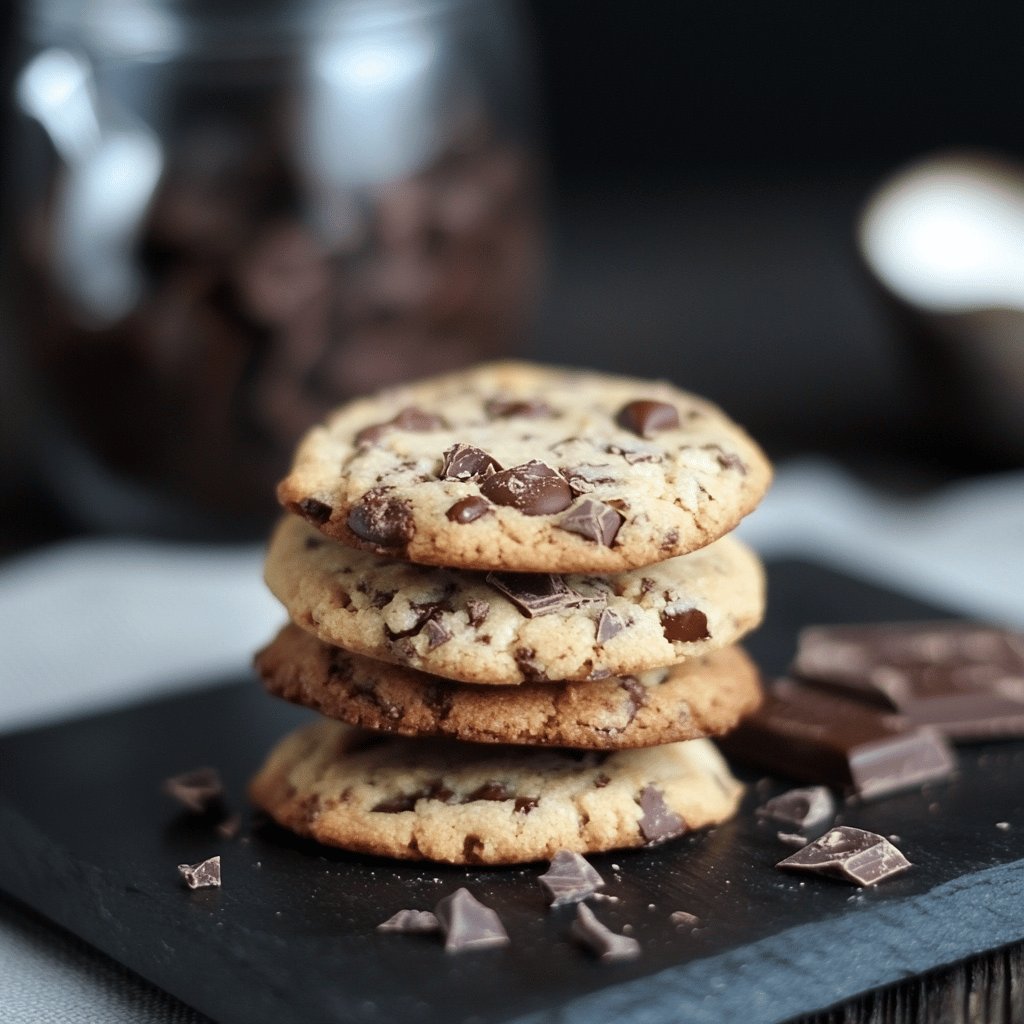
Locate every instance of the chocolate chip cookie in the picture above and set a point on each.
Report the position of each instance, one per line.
(702, 697)
(505, 628)
(465, 803)
(511, 466)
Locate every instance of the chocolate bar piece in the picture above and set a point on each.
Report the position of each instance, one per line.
(816, 736)
(850, 854)
(964, 679)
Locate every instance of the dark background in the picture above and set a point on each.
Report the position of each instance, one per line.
(707, 163)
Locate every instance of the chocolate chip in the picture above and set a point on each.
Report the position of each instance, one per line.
(605, 944)
(411, 418)
(539, 593)
(530, 408)
(317, 512)
(594, 520)
(850, 854)
(411, 922)
(467, 462)
(477, 612)
(569, 879)
(534, 488)
(472, 849)
(398, 804)
(437, 634)
(658, 823)
(199, 791)
(610, 623)
(802, 808)
(490, 790)
(601, 780)
(204, 875)
(525, 804)
(686, 626)
(727, 460)
(467, 923)
(381, 519)
(468, 510)
(525, 658)
(646, 417)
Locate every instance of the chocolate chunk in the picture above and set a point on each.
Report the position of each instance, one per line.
(645, 417)
(490, 790)
(570, 879)
(534, 488)
(477, 612)
(468, 510)
(594, 520)
(539, 593)
(635, 453)
(817, 736)
(411, 922)
(381, 519)
(802, 808)
(605, 944)
(204, 875)
(609, 623)
(199, 791)
(317, 512)
(437, 633)
(583, 479)
(410, 418)
(466, 462)
(530, 408)
(965, 680)
(850, 854)
(525, 804)
(658, 823)
(468, 924)
(683, 919)
(398, 804)
(685, 626)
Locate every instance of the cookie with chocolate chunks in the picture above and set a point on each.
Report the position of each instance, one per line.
(503, 628)
(524, 468)
(705, 696)
(465, 803)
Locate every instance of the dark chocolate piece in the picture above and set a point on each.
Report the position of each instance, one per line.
(411, 922)
(530, 408)
(569, 879)
(645, 417)
(539, 593)
(477, 612)
(467, 462)
(817, 736)
(437, 633)
(605, 944)
(468, 924)
(594, 520)
(964, 679)
(317, 512)
(685, 626)
(658, 823)
(802, 808)
(684, 919)
(850, 854)
(381, 519)
(204, 875)
(199, 791)
(468, 510)
(490, 790)
(610, 623)
(410, 418)
(534, 488)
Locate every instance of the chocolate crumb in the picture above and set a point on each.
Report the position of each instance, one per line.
(605, 944)
(204, 875)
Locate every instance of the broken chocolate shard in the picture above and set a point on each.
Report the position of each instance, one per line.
(646, 417)
(199, 791)
(317, 512)
(816, 736)
(609, 623)
(686, 625)
(658, 822)
(569, 879)
(411, 922)
(411, 419)
(204, 875)
(539, 593)
(381, 519)
(850, 854)
(594, 520)
(468, 924)
(468, 510)
(534, 488)
(606, 945)
(684, 919)
(467, 462)
(530, 408)
(806, 808)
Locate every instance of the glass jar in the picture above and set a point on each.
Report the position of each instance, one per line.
(232, 215)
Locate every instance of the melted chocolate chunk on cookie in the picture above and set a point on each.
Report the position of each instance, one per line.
(534, 488)
(468, 510)
(411, 418)
(317, 512)
(658, 823)
(610, 623)
(686, 626)
(594, 520)
(539, 593)
(529, 408)
(467, 462)
(645, 417)
(381, 519)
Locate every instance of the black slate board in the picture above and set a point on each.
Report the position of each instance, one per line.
(86, 840)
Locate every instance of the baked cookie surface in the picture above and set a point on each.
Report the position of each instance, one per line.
(702, 697)
(527, 468)
(466, 803)
(504, 628)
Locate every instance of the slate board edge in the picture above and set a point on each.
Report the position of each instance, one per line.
(962, 918)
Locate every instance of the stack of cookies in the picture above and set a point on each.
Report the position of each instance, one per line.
(514, 601)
